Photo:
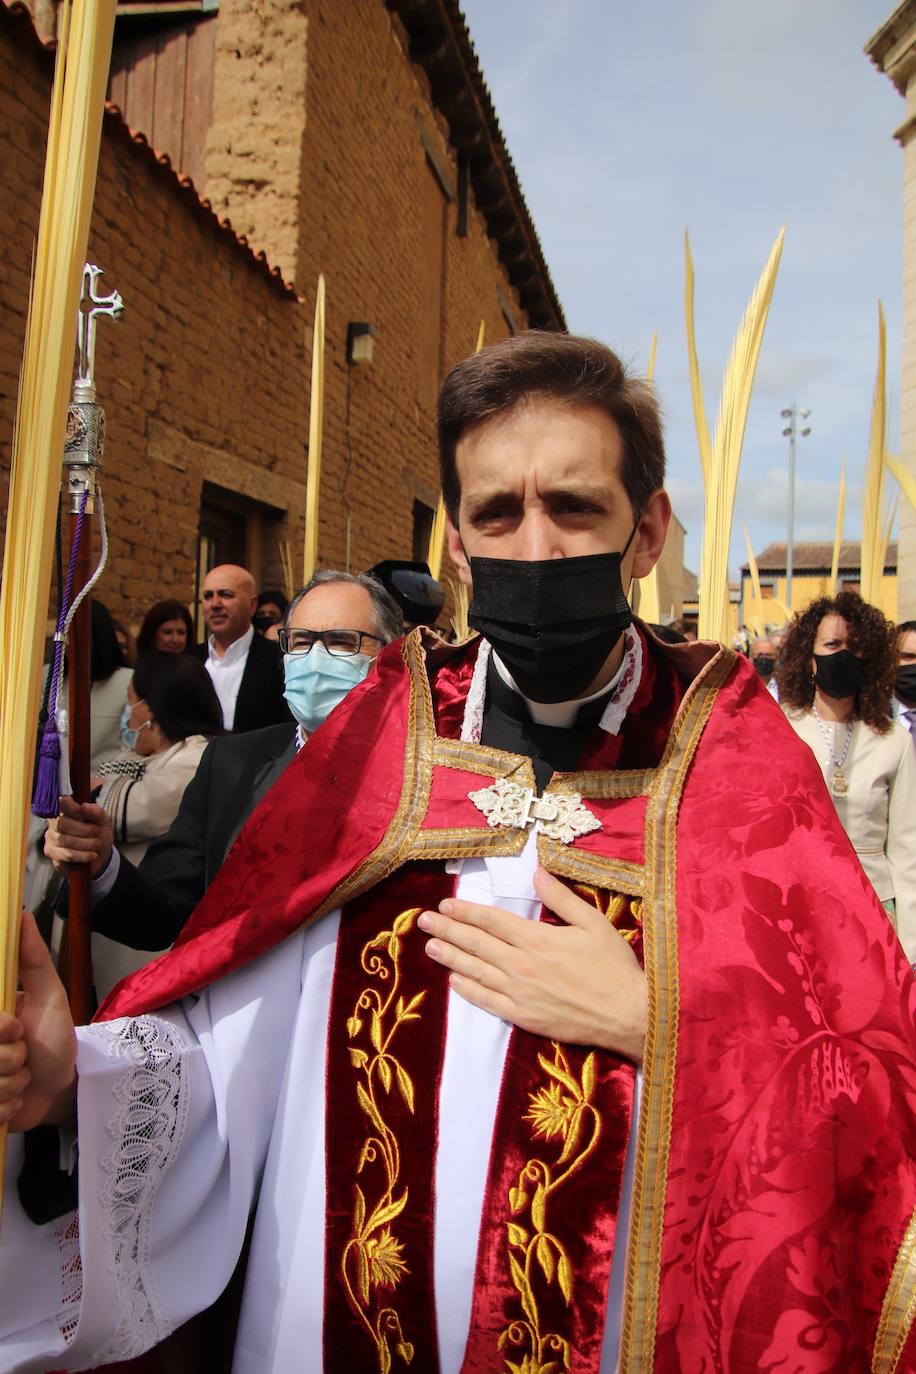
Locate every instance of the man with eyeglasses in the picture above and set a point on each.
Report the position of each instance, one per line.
(334, 629)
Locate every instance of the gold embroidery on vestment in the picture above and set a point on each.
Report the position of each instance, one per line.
(899, 1307)
(373, 1258)
(561, 1110)
(659, 913)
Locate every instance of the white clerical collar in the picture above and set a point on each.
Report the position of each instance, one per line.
(237, 649)
(619, 692)
(561, 714)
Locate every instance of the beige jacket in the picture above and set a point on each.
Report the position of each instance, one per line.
(878, 812)
(106, 702)
(140, 811)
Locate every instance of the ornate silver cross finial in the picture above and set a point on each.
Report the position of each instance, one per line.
(91, 307)
(559, 815)
(84, 445)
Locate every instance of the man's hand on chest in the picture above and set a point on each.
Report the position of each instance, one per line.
(579, 982)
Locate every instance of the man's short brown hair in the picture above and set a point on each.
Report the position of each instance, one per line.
(578, 372)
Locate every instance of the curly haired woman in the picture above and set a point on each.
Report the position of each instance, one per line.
(836, 675)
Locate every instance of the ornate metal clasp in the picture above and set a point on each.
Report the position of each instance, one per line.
(559, 815)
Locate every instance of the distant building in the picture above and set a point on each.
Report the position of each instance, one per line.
(893, 51)
(811, 567)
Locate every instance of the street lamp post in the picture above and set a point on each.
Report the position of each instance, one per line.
(792, 415)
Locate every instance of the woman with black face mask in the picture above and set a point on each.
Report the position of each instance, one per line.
(905, 685)
(836, 675)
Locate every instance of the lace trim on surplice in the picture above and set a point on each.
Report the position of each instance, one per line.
(152, 1112)
(67, 1232)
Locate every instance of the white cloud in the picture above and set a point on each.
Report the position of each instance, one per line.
(687, 502)
(791, 375)
(767, 498)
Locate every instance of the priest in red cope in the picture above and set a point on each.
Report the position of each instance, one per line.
(541, 1010)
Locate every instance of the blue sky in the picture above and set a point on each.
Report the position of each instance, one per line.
(628, 124)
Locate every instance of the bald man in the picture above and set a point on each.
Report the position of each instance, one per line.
(246, 669)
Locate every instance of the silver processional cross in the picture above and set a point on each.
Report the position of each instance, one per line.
(85, 441)
(92, 305)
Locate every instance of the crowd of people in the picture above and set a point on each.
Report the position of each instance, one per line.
(525, 1005)
(227, 714)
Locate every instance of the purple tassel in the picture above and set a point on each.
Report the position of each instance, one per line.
(46, 799)
(46, 796)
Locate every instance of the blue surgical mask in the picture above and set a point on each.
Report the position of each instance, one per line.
(128, 733)
(316, 682)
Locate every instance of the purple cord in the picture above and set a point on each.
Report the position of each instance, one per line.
(46, 799)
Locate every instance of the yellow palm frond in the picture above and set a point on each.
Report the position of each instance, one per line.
(437, 540)
(696, 381)
(872, 570)
(838, 533)
(316, 430)
(886, 589)
(286, 564)
(757, 623)
(726, 453)
(650, 366)
(461, 601)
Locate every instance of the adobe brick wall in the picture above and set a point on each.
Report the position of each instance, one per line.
(207, 376)
(360, 222)
(202, 377)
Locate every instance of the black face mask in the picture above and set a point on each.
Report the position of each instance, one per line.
(840, 674)
(764, 665)
(905, 686)
(553, 621)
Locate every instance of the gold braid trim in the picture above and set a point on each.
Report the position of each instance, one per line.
(898, 1308)
(659, 911)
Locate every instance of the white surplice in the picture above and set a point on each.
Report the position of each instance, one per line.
(190, 1117)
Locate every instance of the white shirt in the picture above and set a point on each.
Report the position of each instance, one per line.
(905, 714)
(226, 672)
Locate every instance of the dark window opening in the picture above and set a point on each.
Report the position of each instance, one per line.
(423, 516)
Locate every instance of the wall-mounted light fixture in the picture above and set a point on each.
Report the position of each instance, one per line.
(360, 342)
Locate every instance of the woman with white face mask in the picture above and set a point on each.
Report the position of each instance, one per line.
(836, 674)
